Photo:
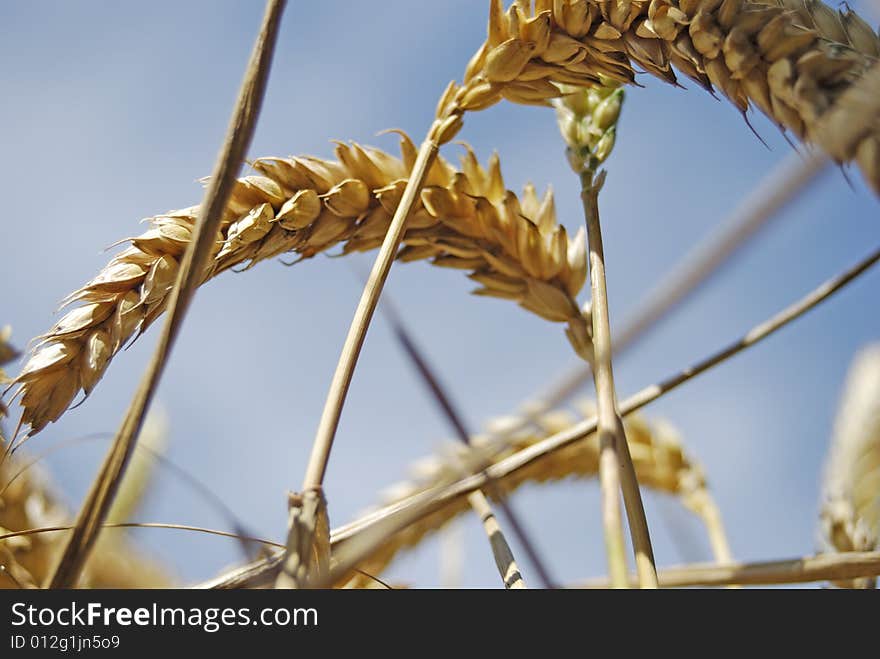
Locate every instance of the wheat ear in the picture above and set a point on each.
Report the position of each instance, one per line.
(792, 60)
(850, 513)
(513, 247)
(29, 502)
(657, 453)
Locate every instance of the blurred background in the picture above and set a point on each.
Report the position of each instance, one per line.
(110, 113)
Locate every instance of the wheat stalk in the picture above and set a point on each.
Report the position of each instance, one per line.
(793, 61)
(513, 247)
(823, 567)
(588, 123)
(850, 514)
(99, 498)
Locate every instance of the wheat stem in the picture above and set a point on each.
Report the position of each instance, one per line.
(354, 341)
(504, 559)
(101, 495)
(822, 567)
(442, 130)
(145, 525)
(609, 446)
(606, 392)
(717, 534)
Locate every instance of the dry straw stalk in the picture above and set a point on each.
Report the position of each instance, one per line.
(99, 499)
(588, 123)
(824, 567)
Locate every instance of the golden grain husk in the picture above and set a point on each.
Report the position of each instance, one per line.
(791, 59)
(657, 452)
(465, 218)
(27, 501)
(849, 518)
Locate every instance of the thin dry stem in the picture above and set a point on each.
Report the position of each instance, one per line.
(504, 560)
(588, 122)
(28, 501)
(610, 443)
(300, 536)
(100, 497)
(366, 307)
(823, 567)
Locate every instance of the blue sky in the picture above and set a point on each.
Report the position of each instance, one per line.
(111, 112)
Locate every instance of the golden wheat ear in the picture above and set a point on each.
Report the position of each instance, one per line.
(28, 501)
(850, 513)
(795, 61)
(657, 452)
(513, 247)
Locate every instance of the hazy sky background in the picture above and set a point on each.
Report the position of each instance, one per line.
(111, 111)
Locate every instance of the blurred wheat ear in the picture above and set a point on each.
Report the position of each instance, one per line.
(850, 512)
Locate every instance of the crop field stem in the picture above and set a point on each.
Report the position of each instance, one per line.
(101, 495)
(615, 459)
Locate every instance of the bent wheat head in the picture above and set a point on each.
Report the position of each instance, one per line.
(657, 453)
(791, 59)
(513, 247)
